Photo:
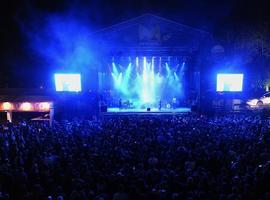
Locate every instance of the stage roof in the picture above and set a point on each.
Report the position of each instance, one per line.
(152, 35)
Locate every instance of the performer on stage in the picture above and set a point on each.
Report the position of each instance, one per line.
(174, 102)
(120, 104)
(159, 105)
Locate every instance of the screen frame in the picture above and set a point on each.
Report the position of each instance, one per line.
(58, 76)
(219, 75)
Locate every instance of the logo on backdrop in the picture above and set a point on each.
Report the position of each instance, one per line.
(152, 35)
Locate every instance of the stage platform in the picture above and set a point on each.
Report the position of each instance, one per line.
(154, 111)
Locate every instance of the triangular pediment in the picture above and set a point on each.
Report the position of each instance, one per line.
(150, 31)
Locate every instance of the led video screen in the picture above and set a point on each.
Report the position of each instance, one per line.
(67, 82)
(229, 82)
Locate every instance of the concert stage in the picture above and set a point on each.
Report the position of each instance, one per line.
(154, 111)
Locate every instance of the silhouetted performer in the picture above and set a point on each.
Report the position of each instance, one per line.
(159, 105)
(120, 103)
(174, 102)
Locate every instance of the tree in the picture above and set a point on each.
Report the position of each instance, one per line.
(250, 46)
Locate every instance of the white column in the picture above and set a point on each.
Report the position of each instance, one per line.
(51, 114)
(9, 116)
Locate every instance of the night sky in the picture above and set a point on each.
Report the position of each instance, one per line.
(17, 61)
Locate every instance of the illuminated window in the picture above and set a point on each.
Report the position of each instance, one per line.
(44, 106)
(7, 106)
(26, 106)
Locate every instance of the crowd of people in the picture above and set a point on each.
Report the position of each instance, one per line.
(137, 157)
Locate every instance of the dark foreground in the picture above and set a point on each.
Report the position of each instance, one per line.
(144, 157)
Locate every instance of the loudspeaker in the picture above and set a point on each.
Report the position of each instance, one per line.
(194, 108)
(148, 109)
(103, 108)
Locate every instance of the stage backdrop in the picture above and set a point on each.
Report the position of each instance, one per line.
(149, 58)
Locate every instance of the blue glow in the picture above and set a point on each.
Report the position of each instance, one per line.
(115, 71)
(143, 81)
(183, 67)
(230, 82)
(67, 82)
(63, 41)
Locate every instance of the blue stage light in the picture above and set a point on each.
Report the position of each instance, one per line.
(176, 77)
(115, 70)
(183, 67)
(146, 84)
